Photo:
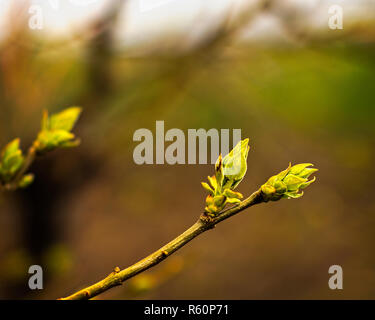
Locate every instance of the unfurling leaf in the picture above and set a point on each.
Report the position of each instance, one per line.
(55, 132)
(50, 140)
(288, 183)
(229, 172)
(207, 187)
(235, 165)
(65, 120)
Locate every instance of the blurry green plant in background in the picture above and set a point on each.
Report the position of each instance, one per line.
(55, 133)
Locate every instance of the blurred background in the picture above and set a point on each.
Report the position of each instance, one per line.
(301, 91)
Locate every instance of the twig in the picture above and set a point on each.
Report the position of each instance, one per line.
(117, 277)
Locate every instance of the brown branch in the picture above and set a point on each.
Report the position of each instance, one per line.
(117, 277)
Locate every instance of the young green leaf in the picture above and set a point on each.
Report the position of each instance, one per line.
(235, 165)
(65, 120)
(56, 129)
(50, 140)
(229, 172)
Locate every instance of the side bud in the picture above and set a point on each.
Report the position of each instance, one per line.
(288, 183)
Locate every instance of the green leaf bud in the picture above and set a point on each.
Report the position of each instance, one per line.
(56, 129)
(228, 174)
(288, 183)
(235, 165)
(11, 160)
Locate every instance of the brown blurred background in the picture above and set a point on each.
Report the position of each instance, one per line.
(302, 93)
